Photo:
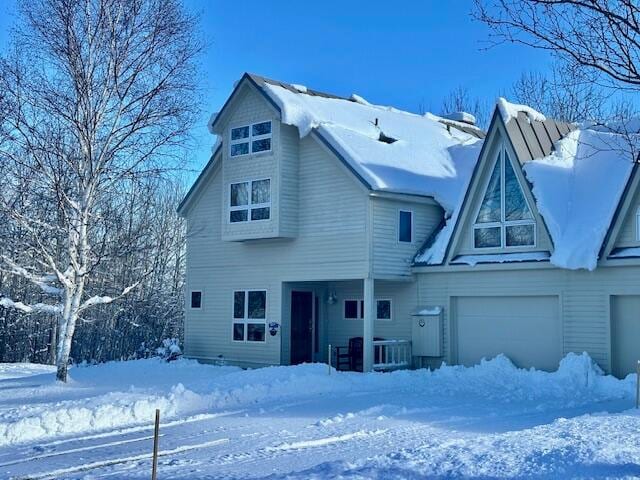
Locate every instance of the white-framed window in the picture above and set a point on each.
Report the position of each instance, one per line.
(195, 300)
(252, 138)
(638, 224)
(504, 219)
(405, 226)
(353, 309)
(249, 315)
(250, 201)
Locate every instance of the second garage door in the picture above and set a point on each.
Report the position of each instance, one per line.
(625, 334)
(526, 329)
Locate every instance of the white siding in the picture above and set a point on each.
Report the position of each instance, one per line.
(391, 257)
(628, 236)
(331, 244)
(584, 298)
(251, 167)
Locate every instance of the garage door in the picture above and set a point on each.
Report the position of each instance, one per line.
(625, 334)
(526, 329)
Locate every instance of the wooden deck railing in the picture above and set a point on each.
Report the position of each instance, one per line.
(391, 354)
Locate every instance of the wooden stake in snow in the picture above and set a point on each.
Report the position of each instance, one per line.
(638, 385)
(329, 359)
(156, 432)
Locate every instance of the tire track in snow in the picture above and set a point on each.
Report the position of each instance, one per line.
(115, 461)
(75, 450)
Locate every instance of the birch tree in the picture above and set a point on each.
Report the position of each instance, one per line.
(98, 97)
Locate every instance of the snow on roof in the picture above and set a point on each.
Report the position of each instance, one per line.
(473, 260)
(577, 189)
(510, 110)
(428, 158)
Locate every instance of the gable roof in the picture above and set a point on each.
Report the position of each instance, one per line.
(385, 148)
(200, 180)
(578, 176)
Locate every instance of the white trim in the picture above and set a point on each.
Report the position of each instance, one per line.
(359, 309)
(503, 224)
(191, 307)
(249, 206)
(638, 224)
(251, 138)
(411, 213)
(246, 320)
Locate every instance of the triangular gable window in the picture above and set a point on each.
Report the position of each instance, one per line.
(504, 218)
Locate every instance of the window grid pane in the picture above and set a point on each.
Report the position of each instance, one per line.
(255, 332)
(351, 309)
(238, 304)
(520, 235)
(238, 216)
(384, 310)
(261, 191)
(263, 128)
(239, 133)
(515, 206)
(257, 304)
(260, 213)
(239, 194)
(487, 237)
(238, 332)
(490, 208)
(239, 149)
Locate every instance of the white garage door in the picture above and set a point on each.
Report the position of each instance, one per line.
(526, 329)
(625, 334)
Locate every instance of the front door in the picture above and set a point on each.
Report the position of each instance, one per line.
(301, 327)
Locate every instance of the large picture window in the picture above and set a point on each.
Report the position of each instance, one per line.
(504, 218)
(253, 138)
(250, 201)
(249, 315)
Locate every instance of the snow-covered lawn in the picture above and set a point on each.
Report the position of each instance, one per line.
(492, 420)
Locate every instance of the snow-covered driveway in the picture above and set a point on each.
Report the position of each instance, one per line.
(299, 422)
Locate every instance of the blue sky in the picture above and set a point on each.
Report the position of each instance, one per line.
(405, 53)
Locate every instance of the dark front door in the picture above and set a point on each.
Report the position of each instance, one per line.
(301, 327)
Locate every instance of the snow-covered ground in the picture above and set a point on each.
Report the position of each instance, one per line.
(488, 421)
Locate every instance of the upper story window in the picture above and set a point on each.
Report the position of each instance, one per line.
(504, 218)
(405, 226)
(253, 138)
(250, 201)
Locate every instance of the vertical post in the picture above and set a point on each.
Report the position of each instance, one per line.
(638, 385)
(329, 359)
(156, 432)
(367, 334)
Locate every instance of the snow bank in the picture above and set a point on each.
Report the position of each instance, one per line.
(510, 110)
(577, 381)
(427, 159)
(577, 190)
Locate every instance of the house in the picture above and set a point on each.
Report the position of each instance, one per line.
(321, 218)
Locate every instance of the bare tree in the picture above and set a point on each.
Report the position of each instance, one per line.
(601, 35)
(98, 97)
(566, 93)
(460, 100)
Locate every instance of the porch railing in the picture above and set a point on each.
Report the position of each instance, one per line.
(391, 354)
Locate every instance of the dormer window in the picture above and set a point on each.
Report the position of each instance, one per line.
(504, 218)
(250, 201)
(253, 138)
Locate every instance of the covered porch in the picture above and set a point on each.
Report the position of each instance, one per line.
(359, 324)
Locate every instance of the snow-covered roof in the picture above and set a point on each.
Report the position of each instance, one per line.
(578, 175)
(577, 190)
(390, 149)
